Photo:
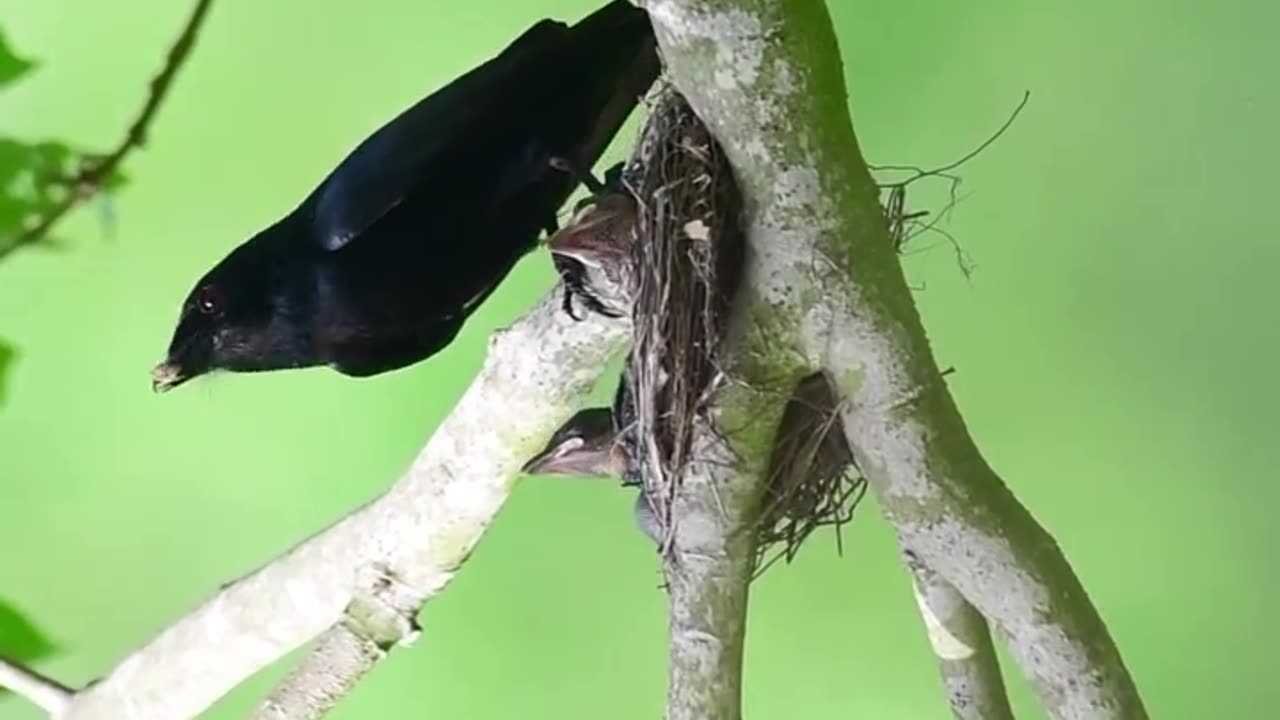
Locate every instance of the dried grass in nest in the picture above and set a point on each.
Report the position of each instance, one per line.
(687, 263)
(813, 481)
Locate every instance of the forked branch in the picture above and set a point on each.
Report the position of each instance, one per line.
(766, 76)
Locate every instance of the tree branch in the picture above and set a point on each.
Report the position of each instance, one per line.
(709, 566)
(374, 569)
(88, 180)
(962, 645)
(343, 655)
(707, 573)
(767, 78)
(46, 694)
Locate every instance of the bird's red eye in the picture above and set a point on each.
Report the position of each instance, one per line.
(209, 300)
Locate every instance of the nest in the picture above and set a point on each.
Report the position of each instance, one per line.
(686, 267)
(678, 269)
(813, 481)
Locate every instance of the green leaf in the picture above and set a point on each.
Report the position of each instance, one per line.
(20, 639)
(20, 194)
(7, 356)
(12, 67)
(13, 158)
(34, 181)
(52, 156)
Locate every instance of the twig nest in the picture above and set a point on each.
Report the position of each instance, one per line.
(687, 263)
(666, 244)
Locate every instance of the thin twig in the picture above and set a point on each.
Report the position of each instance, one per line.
(86, 182)
(905, 225)
(50, 695)
(919, 173)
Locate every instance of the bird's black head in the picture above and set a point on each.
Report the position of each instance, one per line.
(241, 316)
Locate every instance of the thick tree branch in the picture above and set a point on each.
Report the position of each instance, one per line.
(707, 576)
(766, 77)
(374, 569)
(962, 645)
(88, 180)
(42, 692)
(709, 566)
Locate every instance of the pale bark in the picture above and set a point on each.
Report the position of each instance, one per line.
(708, 570)
(46, 694)
(707, 577)
(343, 655)
(767, 78)
(962, 646)
(386, 558)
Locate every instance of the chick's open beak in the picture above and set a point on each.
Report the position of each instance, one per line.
(554, 459)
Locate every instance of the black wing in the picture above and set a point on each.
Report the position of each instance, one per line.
(380, 171)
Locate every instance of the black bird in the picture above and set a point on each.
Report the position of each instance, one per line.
(380, 266)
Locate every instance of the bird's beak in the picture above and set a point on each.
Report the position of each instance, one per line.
(571, 457)
(598, 234)
(166, 376)
(551, 460)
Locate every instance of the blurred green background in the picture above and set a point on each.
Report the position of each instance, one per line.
(1115, 354)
